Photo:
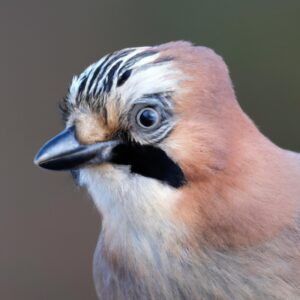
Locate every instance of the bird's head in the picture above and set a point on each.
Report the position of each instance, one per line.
(148, 121)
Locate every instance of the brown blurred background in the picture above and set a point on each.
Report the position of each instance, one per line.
(48, 227)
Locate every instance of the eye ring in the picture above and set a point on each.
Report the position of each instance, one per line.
(147, 118)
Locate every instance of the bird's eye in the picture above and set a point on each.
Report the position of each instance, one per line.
(147, 117)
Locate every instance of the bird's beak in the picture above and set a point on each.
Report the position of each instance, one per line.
(64, 152)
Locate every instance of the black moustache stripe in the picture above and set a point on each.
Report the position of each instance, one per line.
(149, 161)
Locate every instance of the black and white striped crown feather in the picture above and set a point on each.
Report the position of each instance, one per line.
(124, 76)
(100, 77)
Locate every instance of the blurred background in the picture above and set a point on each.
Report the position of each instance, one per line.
(48, 227)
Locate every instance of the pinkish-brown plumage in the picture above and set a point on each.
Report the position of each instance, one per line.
(232, 230)
(239, 206)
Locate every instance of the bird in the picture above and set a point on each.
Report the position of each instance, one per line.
(195, 202)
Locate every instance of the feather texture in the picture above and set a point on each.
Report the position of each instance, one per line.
(232, 230)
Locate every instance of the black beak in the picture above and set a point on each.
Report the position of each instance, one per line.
(63, 152)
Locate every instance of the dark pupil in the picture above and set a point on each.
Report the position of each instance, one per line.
(148, 117)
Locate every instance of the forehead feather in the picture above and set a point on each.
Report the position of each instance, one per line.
(94, 77)
(149, 74)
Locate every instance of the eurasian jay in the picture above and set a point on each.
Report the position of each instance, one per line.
(196, 202)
